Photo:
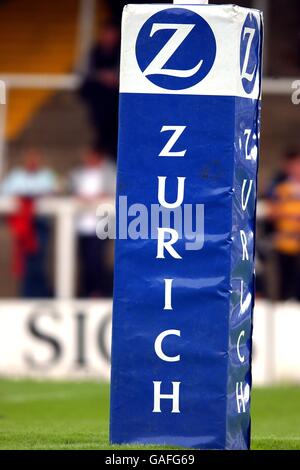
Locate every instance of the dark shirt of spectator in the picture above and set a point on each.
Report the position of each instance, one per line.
(284, 211)
(100, 88)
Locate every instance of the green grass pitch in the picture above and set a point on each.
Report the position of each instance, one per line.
(69, 415)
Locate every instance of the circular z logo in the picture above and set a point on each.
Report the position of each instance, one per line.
(249, 54)
(175, 55)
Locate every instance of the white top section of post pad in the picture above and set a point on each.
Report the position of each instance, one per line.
(231, 27)
(190, 2)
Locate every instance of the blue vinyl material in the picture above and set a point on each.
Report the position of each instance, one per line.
(206, 291)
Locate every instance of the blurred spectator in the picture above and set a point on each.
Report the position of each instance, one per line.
(100, 88)
(30, 232)
(94, 179)
(285, 214)
(281, 175)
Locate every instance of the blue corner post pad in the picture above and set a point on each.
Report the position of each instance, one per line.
(189, 134)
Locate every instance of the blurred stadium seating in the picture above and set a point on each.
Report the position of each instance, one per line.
(35, 38)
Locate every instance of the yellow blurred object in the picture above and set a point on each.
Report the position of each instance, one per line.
(35, 37)
(285, 212)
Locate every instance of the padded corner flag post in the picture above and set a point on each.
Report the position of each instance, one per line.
(190, 93)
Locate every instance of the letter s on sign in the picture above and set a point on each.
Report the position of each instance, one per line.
(296, 93)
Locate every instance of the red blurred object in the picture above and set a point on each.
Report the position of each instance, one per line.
(25, 242)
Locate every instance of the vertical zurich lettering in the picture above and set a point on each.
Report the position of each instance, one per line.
(164, 246)
(249, 67)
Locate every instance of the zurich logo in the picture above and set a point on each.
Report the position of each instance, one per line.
(175, 55)
(249, 53)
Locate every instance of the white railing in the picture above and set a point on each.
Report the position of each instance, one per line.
(64, 211)
(271, 86)
(40, 81)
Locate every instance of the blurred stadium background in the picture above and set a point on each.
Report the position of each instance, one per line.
(59, 61)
